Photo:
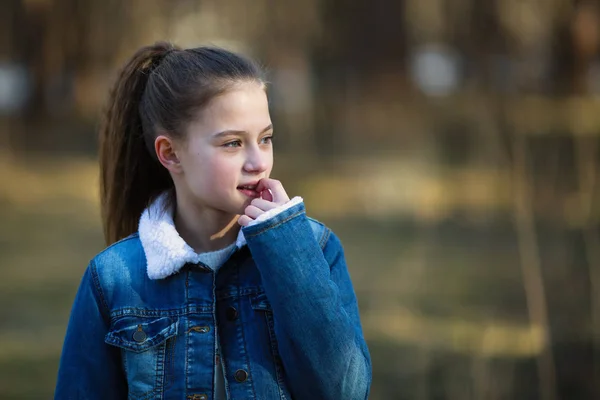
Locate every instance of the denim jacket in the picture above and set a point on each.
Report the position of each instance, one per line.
(287, 318)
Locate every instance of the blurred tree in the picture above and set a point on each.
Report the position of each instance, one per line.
(359, 62)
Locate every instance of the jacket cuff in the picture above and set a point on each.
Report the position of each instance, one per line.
(276, 211)
(274, 217)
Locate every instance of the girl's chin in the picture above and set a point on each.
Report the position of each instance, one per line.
(236, 205)
(240, 207)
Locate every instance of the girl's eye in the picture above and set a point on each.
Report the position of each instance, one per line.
(267, 139)
(235, 143)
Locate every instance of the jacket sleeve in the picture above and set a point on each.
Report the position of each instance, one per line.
(315, 310)
(89, 369)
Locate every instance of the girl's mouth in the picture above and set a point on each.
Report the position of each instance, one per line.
(248, 190)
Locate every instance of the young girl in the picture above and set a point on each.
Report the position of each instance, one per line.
(215, 285)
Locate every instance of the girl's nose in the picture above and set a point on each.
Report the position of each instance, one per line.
(256, 161)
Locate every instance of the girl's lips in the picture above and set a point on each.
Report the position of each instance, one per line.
(249, 189)
(249, 192)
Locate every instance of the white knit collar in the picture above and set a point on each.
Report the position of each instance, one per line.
(166, 251)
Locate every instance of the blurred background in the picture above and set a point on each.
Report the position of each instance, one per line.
(451, 144)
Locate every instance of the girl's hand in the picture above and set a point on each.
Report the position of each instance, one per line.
(272, 195)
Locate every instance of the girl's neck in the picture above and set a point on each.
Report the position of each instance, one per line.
(196, 225)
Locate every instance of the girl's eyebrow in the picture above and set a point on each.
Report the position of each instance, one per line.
(235, 132)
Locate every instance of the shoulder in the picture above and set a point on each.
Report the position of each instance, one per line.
(120, 263)
(124, 251)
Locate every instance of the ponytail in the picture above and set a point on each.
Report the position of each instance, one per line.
(130, 176)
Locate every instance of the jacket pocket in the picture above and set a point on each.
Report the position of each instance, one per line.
(139, 334)
(147, 345)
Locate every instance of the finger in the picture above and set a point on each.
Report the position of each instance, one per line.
(276, 188)
(263, 204)
(253, 211)
(266, 194)
(268, 183)
(244, 220)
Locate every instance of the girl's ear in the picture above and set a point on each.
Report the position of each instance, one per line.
(165, 152)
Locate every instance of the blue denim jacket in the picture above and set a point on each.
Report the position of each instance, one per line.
(284, 306)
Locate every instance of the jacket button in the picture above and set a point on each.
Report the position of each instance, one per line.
(139, 335)
(201, 329)
(240, 375)
(231, 313)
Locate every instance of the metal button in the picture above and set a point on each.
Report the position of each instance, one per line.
(231, 313)
(201, 329)
(240, 375)
(139, 335)
(197, 397)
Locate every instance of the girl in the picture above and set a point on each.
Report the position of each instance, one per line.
(215, 285)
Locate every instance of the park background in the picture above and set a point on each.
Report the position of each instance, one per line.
(451, 144)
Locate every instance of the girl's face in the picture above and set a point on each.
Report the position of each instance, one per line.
(227, 150)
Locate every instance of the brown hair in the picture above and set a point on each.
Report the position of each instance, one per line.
(158, 91)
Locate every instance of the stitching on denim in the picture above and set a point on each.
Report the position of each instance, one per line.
(115, 340)
(297, 213)
(234, 278)
(250, 290)
(324, 231)
(240, 326)
(251, 380)
(125, 239)
(124, 359)
(160, 362)
(275, 352)
(143, 396)
(254, 303)
(97, 286)
(325, 238)
(215, 332)
(144, 313)
(187, 339)
(148, 395)
(220, 364)
(224, 369)
(169, 361)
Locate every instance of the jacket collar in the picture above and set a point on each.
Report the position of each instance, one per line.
(166, 251)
